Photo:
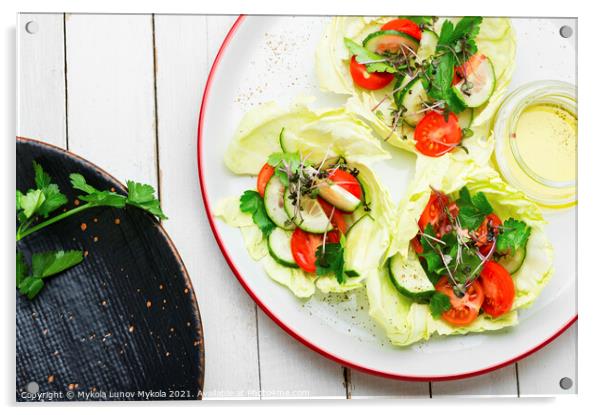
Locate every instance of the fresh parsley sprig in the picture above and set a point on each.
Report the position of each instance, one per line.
(34, 207)
(329, 260)
(252, 202)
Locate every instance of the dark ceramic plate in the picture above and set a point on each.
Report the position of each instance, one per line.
(125, 320)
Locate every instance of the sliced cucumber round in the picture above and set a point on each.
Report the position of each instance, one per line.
(412, 98)
(310, 216)
(279, 246)
(391, 41)
(479, 84)
(512, 263)
(274, 204)
(338, 197)
(409, 278)
(428, 45)
(465, 118)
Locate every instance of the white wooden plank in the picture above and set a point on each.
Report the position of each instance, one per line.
(501, 382)
(228, 314)
(540, 373)
(291, 370)
(41, 78)
(110, 93)
(363, 385)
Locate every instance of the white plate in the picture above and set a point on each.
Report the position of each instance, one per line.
(271, 58)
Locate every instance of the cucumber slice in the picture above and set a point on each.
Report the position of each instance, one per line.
(409, 278)
(465, 118)
(311, 217)
(338, 197)
(287, 142)
(413, 96)
(279, 246)
(512, 263)
(428, 45)
(391, 41)
(274, 204)
(481, 80)
(358, 234)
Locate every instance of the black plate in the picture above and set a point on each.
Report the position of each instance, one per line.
(123, 321)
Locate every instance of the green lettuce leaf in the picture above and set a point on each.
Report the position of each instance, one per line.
(315, 133)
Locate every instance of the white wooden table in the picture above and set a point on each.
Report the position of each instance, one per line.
(124, 92)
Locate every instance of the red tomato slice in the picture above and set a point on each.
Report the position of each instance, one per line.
(368, 80)
(470, 66)
(434, 213)
(486, 232)
(264, 177)
(303, 247)
(463, 310)
(416, 245)
(347, 181)
(435, 135)
(405, 26)
(498, 288)
(338, 221)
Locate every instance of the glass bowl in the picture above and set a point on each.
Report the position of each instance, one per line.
(551, 180)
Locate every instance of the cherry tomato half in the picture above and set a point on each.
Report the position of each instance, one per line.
(470, 66)
(337, 220)
(405, 26)
(486, 232)
(498, 289)
(435, 135)
(465, 310)
(303, 247)
(368, 80)
(435, 214)
(264, 177)
(347, 181)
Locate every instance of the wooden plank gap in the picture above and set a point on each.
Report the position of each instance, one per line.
(517, 380)
(258, 354)
(66, 83)
(347, 381)
(157, 155)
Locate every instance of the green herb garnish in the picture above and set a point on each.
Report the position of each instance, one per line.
(38, 203)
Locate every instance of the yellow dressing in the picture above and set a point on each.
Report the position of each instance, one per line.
(546, 140)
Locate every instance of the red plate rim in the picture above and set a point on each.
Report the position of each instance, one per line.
(267, 311)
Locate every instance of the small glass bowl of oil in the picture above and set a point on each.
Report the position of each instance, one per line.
(536, 142)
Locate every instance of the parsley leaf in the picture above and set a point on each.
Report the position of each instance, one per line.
(53, 199)
(139, 195)
(252, 202)
(455, 45)
(31, 202)
(42, 179)
(461, 38)
(143, 197)
(330, 261)
(514, 234)
(46, 264)
(472, 209)
(284, 164)
(439, 304)
(363, 55)
(43, 265)
(94, 196)
(21, 267)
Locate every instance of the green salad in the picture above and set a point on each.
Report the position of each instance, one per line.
(425, 84)
(462, 251)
